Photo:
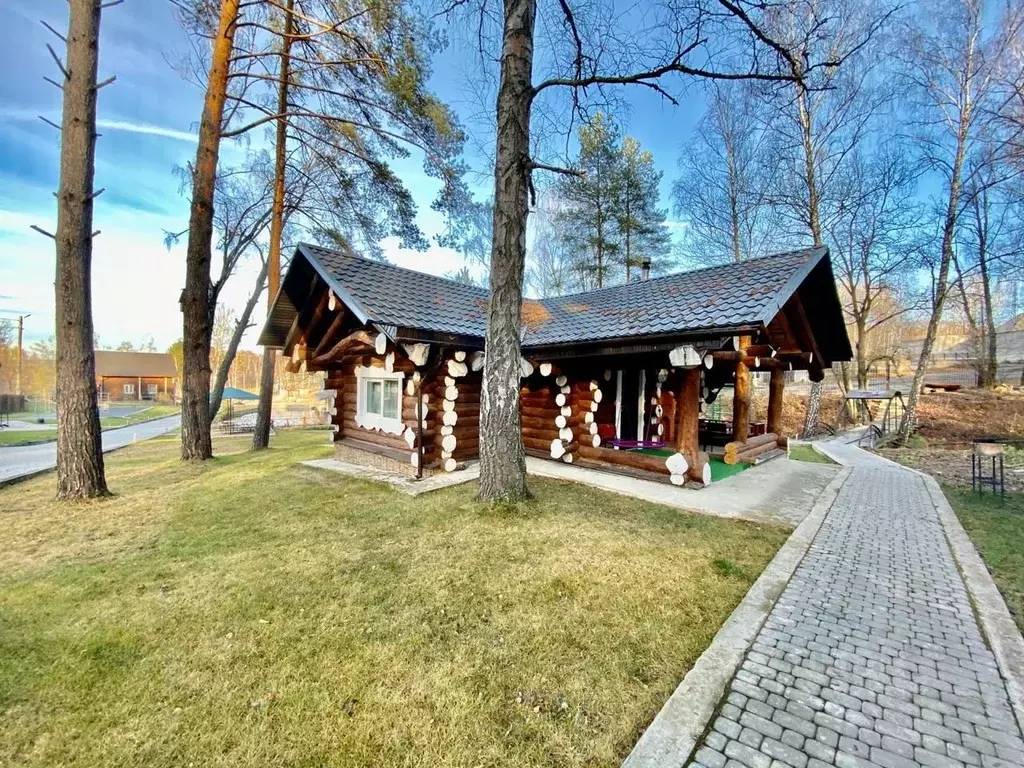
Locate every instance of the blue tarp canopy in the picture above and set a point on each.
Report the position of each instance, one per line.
(233, 393)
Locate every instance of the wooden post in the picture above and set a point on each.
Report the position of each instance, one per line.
(776, 387)
(139, 395)
(688, 407)
(741, 397)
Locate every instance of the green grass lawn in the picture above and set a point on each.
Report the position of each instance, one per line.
(25, 437)
(248, 611)
(719, 469)
(997, 530)
(807, 453)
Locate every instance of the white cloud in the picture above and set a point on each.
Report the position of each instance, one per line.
(146, 128)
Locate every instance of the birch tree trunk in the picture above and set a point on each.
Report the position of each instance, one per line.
(813, 411)
(261, 434)
(502, 459)
(217, 393)
(197, 299)
(79, 453)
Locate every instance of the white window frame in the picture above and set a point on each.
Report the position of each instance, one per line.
(129, 389)
(393, 426)
(152, 389)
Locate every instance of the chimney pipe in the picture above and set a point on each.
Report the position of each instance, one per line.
(645, 268)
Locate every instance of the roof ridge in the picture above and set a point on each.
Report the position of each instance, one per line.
(353, 255)
(681, 273)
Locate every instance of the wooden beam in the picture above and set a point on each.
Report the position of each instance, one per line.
(353, 339)
(301, 317)
(330, 334)
(741, 396)
(797, 317)
(688, 419)
(776, 390)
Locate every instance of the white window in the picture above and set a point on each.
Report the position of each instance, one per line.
(129, 389)
(153, 388)
(379, 400)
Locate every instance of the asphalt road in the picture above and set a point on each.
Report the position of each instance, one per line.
(18, 461)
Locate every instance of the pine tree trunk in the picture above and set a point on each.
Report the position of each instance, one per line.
(197, 299)
(502, 459)
(217, 394)
(990, 364)
(261, 434)
(261, 438)
(79, 447)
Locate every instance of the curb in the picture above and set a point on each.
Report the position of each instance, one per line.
(677, 728)
(997, 625)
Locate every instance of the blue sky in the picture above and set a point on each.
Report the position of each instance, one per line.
(148, 119)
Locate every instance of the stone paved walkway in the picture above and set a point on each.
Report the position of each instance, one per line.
(872, 655)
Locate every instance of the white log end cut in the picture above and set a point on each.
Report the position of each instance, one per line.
(566, 390)
(414, 459)
(448, 443)
(557, 449)
(561, 381)
(677, 479)
(417, 353)
(677, 464)
(594, 406)
(448, 405)
(561, 399)
(389, 362)
(568, 458)
(588, 417)
(450, 465)
(380, 344)
(592, 427)
(545, 369)
(705, 474)
(565, 434)
(460, 356)
(449, 418)
(661, 430)
(451, 393)
(566, 410)
(332, 302)
(410, 388)
(457, 369)
(598, 396)
(560, 421)
(410, 436)
(659, 411)
(596, 441)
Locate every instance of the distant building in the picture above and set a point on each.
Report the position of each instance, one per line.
(135, 375)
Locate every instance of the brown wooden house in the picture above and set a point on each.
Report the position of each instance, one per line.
(608, 376)
(134, 375)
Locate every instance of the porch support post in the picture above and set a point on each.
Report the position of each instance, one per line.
(741, 397)
(688, 405)
(776, 387)
(140, 388)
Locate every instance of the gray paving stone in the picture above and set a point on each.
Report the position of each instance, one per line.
(871, 656)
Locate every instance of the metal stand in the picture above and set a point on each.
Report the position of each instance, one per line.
(996, 480)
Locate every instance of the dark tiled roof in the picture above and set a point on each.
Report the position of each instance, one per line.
(395, 296)
(711, 299)
(729, 296)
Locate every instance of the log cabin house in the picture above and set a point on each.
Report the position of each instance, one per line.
(615, 378)
(134, 375)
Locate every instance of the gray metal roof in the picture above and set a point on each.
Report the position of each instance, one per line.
(729, 297)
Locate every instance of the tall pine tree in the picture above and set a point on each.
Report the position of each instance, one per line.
(641, 223)
(590, 199)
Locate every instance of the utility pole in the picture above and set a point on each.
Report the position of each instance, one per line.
(21, 330)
